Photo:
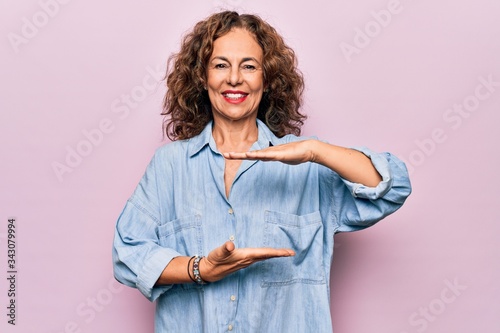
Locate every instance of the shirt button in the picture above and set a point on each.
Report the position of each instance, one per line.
(233, 298)
(231, 238)
(230, 327)
(230, 211)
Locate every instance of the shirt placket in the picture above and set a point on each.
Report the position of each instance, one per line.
(230, 297)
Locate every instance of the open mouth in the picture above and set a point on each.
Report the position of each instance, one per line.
(234, 96)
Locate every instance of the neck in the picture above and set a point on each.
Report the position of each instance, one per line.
(235, 137)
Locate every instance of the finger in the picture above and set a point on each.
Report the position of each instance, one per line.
(221, 253)
(229, 246)
(236, 156)
(233, 156)
(283, 253)
(267, 253)
(251, 155)
(224, 251)
(263, 155)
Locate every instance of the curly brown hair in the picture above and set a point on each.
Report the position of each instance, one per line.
(186, 106)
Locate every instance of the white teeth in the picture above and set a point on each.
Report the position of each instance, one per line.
(234, 96)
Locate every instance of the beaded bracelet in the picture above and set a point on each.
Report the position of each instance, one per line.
(196, 270)
(188, 270)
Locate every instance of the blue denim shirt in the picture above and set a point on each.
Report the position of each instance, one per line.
(180, 208)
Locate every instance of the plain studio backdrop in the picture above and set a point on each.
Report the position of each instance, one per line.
(80, 99)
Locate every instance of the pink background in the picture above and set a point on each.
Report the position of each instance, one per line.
(67, 68)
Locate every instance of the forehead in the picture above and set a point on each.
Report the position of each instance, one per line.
(238, 43)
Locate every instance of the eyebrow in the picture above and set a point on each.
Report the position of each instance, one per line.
(242, 60)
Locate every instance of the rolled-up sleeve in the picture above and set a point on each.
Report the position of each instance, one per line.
(138, 259)
(359, 206)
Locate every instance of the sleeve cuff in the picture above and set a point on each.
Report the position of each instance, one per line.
(381, 164)
(152, 270)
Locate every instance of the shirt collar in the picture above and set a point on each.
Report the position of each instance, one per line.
(266, 138)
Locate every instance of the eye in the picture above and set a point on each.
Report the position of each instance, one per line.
(249, 68)
(220, 66)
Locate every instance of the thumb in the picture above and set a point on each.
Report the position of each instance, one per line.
(222, 252)
(228, 247)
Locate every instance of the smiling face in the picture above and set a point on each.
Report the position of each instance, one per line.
(235, 80)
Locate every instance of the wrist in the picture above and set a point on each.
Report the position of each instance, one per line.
(313, 149)
(196, 270)
(203, 267)
(190, 269)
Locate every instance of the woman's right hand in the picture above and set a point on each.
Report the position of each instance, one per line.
(228, 259)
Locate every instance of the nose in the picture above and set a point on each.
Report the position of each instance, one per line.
(234, 76)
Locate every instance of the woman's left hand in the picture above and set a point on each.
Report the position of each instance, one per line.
(289, 153)
(348, 163)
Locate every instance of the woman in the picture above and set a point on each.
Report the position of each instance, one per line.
(231, 228)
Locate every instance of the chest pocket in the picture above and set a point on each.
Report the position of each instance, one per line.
(304, 235)
(182, 235)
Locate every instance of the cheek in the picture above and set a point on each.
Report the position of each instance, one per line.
(257, 84)
(213, 80)
(212, 97)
